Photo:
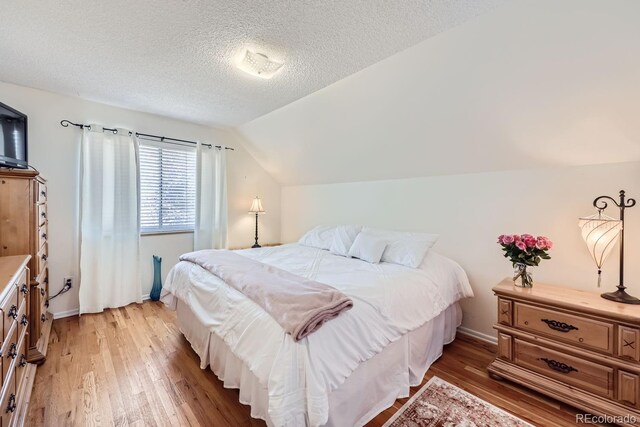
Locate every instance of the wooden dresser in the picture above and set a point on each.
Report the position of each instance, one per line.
(23, 230)
(17, 374)
(571, 345)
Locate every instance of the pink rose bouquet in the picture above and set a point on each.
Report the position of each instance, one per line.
(525, 248)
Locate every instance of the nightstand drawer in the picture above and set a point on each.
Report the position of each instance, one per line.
(628, 388)
(629, 343)
(571, 370)
(505, 311)
(581, 331)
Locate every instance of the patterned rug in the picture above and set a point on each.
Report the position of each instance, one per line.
(439, 403)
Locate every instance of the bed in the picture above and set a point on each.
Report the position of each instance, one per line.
(346, 372)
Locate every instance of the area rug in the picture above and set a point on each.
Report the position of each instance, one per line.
(439, 403)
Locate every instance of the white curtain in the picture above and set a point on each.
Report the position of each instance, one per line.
(211, 198)
(110, 238)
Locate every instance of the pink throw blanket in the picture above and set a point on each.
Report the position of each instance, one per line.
(299, 305)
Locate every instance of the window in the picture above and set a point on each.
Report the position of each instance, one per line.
(167, 188)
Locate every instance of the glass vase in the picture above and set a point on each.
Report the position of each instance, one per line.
(522, 276)
(157, 280)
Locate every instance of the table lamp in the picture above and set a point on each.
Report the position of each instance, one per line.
(256, 208)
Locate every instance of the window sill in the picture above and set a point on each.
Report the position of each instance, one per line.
(162, 233)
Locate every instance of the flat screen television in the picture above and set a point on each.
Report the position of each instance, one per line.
(13, 138)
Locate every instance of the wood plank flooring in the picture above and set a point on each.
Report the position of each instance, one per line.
(132, 367)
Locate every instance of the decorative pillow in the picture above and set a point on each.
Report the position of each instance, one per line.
(319, 237)
(343, 239)
(368, 247)
(404, 248)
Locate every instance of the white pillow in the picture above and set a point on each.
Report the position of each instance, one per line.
(343, 238)
(404, 248)
(318, 237)
(368, 247)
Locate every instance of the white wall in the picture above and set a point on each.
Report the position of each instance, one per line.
(470, 211)
(54, 151)
(535, 83)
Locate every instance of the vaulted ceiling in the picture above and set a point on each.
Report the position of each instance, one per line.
(176, 58)
(532, 84)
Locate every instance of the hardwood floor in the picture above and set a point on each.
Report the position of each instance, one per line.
(132, 367)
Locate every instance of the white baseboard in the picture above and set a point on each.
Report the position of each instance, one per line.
(76, 311)
(68, 313)
(479, 335)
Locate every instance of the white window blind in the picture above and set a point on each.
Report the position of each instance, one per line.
(167, 188)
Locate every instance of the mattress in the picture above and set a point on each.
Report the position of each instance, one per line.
(389, 302)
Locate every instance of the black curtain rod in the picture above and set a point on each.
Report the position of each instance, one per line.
(66, 123)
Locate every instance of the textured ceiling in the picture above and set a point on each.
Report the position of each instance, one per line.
(176, 58)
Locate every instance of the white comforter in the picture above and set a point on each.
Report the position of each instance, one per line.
(389, 301)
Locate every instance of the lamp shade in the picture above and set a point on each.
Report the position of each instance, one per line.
(600, 233)
(256, 206)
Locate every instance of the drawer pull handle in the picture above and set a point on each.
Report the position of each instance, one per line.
(11, 406)
(559, 366)
(43, 214)
(44, 257)
(559, 326)
(24, 289)
(43, 318)
(46, 303)
(24, 321)
(42, 291)
(46, 280)
(13, 312)
(23, 361)
(43, 193)
(13, 351)
(44, 235)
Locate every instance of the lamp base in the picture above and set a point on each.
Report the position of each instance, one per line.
(256, 246)
(621, 296)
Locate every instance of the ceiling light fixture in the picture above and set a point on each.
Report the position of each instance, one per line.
(259, 65)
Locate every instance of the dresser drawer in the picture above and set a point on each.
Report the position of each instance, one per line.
(584, 332)
(22, 315)
(42, 235)
(42, 257)
(23, 321)
(9, 310)
(21, 362)
(568, 369)
(10, 351)
(41, 197)
(22, 279)
(42, 214)
(9, 404)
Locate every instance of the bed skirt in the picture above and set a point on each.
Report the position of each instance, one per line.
(386, 377)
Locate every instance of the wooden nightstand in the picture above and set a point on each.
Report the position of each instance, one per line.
(571, 345)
